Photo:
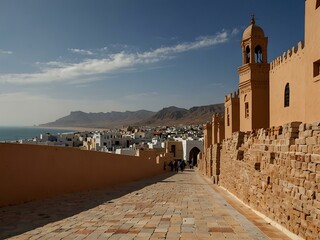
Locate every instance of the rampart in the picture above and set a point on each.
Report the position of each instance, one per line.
(274, 171)
(30, 172)
(286, 56)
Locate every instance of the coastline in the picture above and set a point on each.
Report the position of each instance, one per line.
(77, 129)
(17, 133)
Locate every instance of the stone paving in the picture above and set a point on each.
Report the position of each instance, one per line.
(171, 206)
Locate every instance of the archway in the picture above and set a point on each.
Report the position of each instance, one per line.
(193, 155)
(258, 54)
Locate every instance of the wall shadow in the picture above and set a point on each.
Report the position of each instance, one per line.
(18, 219)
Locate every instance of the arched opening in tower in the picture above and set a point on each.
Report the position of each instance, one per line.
(258, 54)
(247, 54)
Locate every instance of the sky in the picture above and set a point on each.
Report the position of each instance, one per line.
(58, 56)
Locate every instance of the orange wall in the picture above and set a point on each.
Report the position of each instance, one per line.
(29, 172)
(245, 123)
(296, 68)
(289, 70)
(260, 106)
(179, 150)
(312, 42)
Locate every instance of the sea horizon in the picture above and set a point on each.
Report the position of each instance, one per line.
(15, 133)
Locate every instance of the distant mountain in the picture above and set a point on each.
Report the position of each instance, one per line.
(167, 116)
(175, 116)
(170, 113)
(100, 120)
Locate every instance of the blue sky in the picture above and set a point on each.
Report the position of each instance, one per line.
(59, 56)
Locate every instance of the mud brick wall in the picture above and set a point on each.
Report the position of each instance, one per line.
(277, 172)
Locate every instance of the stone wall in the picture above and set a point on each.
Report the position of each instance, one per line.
(209, 163)
(276, 172)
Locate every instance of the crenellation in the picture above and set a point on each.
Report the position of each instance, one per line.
(231, 96)
(287, 55)
(300, 45)
(294, 49)
(284, 56)
(227, 97)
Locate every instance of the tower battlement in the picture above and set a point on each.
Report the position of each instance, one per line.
(231, 96)
(294, 51)
(217, 117)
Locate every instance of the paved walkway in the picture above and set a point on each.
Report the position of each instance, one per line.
(180, 206)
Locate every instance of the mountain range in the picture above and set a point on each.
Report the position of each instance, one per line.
(168, 116)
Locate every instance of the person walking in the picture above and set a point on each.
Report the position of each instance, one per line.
(171, 165)
(176, 166)
(182, 165)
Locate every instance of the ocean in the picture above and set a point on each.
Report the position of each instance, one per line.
(9, 134)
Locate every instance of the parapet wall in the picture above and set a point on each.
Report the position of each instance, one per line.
(277, 172)
(29, 172)
(286, 56)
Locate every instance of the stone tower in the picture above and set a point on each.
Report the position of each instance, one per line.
(254, 79)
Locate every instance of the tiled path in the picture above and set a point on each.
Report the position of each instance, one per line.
(181, 206)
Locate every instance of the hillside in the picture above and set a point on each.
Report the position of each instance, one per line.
(167, 116)
(100, 120)
(175, 116)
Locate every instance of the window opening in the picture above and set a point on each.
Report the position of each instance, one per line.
(258, 54)
(228, 117)
(173, 150)
(287, 95)
(247, 54)
(316, 68)
(246, 110)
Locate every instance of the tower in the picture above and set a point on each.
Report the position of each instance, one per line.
(254, 79)
(217, 128)
(231, 111)
(207, 132)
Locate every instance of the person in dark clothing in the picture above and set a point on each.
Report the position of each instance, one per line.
(176, 166)
(182, 165)
(171, 165)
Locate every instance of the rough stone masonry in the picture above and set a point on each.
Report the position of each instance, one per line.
(276, 171)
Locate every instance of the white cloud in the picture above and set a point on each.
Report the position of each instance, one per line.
(91, 69)
(5, 52)
(104, 49)
(80, 51)
(235, 31)
(51, 64)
